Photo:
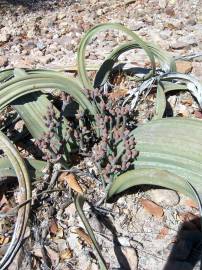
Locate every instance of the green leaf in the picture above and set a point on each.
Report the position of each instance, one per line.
(198, 200)
(103, 27)
(164, 87)
(32, 108)
(176, 82)
(160, 102)
(147, 176)
(35, 168)
(170, 144)
(18, 72)
(166, 61)
(190, 81)
(6, 75)
(20, 91)
(170, 155)
(79, 202)
(25, 194)
(150, 176)
(39, 80)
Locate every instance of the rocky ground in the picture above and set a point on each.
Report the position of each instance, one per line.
(138, 231)
(47, 34)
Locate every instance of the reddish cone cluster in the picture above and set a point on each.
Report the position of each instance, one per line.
(49, 143)
(113, 121)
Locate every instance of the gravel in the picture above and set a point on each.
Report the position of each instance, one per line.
(36, 34)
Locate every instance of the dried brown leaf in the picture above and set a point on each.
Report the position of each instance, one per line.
(84, 236)
(152, 208)
(118, 79)
(71, 180)
(5, 205)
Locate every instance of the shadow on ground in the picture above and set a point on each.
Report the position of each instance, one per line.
(187, 250)
(36, 4)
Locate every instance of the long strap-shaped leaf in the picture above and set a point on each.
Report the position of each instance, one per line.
(35, 168)
(166, 85)
(171, 144)
(37, 80)
(160, 105)
(156, 177)
(24, 195)
(103, 27)
(197, 199)
(32, 108)
(166, 61)
(79, 202)
(193, 84)
(147, 176)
